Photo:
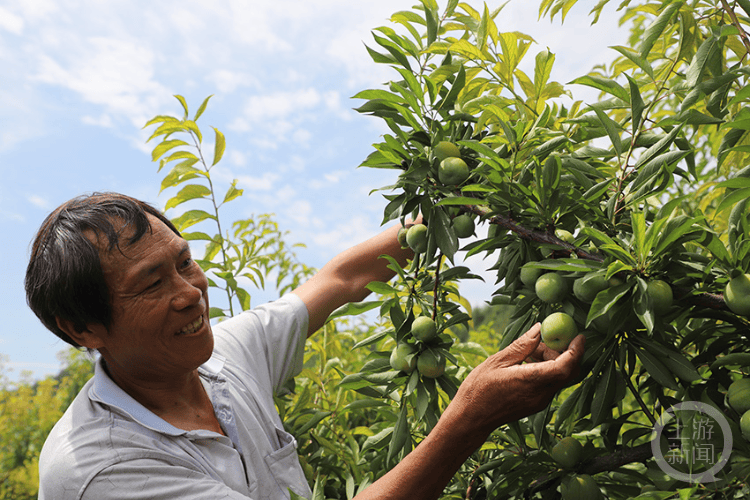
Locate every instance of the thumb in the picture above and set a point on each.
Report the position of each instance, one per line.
(523, 347)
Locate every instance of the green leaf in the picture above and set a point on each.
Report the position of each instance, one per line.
(232, 192)
(400, 433)
(219, 146)
(611, 127)
(639, 61)
(656, 368)
(655, 30)
(700, 61)
(180, 155)
(605, 300)
(638, 221)
(660, 147)
(458, 84)
(444, 235)
(542, 71)
(317, 417)
(380, 288)
(604, 84)
(165, 146)
(468, 50)
(187, 193)
(431, 18)
(637, 106)
(184, 105)
(202, 108)
(354, 309)
(396, 51)
(733, 199)
(604, 395)
(191, 218)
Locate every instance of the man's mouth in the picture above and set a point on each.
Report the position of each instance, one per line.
(192, 327)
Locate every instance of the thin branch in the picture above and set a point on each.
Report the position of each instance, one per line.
(736, 23)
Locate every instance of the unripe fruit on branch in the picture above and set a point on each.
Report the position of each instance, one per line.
(529, 274)
(745, 425)
(661, 296)
(431, 364)
(401, 236)
(424, 328)
(738, 395)
(587, 287)
(551, 288)
(558, 330)
(453, 171)
(567, 452)
(445, 149)
(403, 357)
(737, 295)
(581, 487)
(416, 238)
(463, 226)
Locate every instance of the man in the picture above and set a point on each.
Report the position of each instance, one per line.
(180, 409)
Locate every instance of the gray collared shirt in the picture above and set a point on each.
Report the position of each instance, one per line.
(109, 446)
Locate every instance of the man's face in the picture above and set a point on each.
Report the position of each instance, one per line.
(160, 318)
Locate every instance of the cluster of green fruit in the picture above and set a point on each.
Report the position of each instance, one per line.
(567, 453)
(429, 361)
(559, 328)
(738, 397)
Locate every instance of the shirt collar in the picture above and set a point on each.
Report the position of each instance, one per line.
(106, 391)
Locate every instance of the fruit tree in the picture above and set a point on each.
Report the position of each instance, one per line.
(626, 217)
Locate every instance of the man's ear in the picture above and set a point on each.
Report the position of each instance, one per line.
(90, 337)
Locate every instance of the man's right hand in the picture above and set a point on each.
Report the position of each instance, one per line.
(516, 382)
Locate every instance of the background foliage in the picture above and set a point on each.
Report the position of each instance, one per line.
(650, 181)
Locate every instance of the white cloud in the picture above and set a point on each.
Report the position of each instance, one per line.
(228, 81)
(39, 202)
(11, 22)
(263, 183)
(236, 158)
(113, 73)
(281, 104)
(103, 121)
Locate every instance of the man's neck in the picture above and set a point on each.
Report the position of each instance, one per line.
(181, 401)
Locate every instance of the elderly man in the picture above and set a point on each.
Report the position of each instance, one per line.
(178, 408)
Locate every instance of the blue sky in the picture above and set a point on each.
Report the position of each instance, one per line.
(81, 78)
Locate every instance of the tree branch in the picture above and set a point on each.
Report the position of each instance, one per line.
(683, 294)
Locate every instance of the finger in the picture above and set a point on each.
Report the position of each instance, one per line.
(563, 368)
(544, 353)
(521, 348)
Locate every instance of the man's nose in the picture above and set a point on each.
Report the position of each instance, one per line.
(187, 293)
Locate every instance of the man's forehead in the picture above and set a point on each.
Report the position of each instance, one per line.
(119, 240)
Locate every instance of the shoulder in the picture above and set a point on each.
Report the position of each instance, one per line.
(267, 324)
(91, 438)
(74, 448)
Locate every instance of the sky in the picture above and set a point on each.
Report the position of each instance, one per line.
(82, 77)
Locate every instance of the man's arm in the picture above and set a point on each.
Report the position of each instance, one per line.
(498, 391)
(345, 277)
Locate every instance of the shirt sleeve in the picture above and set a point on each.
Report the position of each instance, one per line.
(150, 479)
(268, 341)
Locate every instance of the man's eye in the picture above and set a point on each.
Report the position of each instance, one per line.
(153, 285)
(187, 262)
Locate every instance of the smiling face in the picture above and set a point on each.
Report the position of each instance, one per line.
(160, 326)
